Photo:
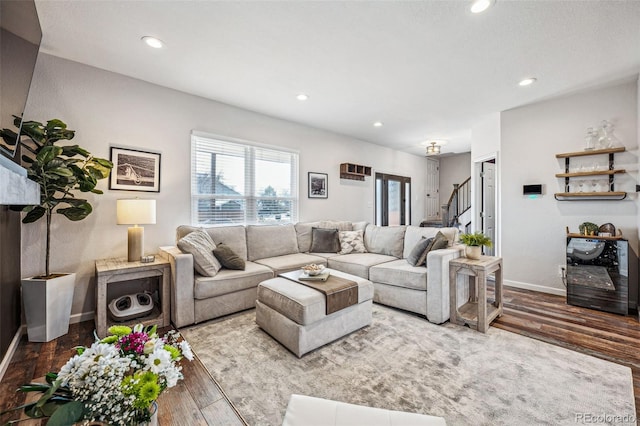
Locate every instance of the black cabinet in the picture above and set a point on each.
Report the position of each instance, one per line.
(598, 274)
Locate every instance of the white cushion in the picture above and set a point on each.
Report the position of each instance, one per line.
(309, 411)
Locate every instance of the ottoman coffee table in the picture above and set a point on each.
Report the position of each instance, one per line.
(295, 315)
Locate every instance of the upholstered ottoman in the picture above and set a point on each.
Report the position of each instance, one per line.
(295, 315)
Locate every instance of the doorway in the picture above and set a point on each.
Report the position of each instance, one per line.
(486, 200)
(393, 200)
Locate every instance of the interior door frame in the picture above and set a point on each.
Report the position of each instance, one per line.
(405, 217)
(476, 205)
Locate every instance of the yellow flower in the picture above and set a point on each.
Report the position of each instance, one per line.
(119, 330)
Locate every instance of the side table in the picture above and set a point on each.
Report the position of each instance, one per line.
(477, 312)
(109, 271)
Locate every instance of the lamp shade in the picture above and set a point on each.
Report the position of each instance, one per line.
(136, 212)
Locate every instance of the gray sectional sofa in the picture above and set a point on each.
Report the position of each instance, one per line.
(273, 249)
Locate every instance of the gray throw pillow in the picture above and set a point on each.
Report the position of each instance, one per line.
(439, 242)
(228, 258)
(419, 252)
(199, 244)
(324, 241)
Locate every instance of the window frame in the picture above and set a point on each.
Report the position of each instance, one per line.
(251, 216)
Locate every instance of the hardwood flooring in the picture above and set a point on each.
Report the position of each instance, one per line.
(198, 400)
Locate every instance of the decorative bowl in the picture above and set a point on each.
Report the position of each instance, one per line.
(312, 269)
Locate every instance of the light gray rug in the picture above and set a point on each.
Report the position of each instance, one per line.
(402, 362)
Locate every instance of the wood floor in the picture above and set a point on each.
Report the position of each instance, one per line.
(198, 400)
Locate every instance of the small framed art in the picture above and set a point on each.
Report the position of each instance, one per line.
(135, 170)
(318, 185)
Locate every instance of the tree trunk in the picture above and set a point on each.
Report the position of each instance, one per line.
(48, 251)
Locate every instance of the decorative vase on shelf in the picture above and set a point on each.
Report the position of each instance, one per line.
(591, 139)
(473, 252)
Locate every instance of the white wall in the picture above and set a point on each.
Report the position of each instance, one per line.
(108, 109)
(533, 230)
(453, 169)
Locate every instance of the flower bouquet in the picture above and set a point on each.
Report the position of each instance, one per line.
(115, 380)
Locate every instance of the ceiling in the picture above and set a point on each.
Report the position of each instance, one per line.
(425, 69)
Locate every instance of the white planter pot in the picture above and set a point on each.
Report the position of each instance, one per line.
(473, 252)
(47, 306)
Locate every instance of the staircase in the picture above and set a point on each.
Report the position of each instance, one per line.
(459, 203)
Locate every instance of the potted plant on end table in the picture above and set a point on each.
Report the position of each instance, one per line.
(474, 243)
(60, 171)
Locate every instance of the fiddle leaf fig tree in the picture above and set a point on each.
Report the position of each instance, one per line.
(61, 172)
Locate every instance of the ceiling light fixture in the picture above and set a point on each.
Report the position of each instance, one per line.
(527, 81)
(377, 124)
(433, 148)
(302, 97)
(156, 43)
(479, 6)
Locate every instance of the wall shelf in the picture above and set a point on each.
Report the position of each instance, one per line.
(611, 194)
(354, 171)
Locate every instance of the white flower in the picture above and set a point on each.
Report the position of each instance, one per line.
(172, 375)
(186, 350)
(158, 361)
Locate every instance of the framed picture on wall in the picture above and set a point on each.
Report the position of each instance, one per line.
(135, 170)
(318, 185)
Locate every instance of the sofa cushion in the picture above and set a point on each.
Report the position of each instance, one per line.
(229, 281)
(228, 258)
(233, 236)
(419, 253)
(399, 273)
(358, 263)
(303, 234)
(324, 240)
(271, 240)
(200, 245)
(340, 225)
(360, 226)
(352, 242)
(290, 262)
(413, 234)
(387, 240)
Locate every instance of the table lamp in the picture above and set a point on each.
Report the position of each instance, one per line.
(136, 212)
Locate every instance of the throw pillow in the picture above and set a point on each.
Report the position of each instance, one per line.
(352, 242)
(419, 251)
(324, 241)
(199, 244)
(438, 242)
(228, 258)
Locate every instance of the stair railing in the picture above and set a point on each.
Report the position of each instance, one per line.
(459, 202)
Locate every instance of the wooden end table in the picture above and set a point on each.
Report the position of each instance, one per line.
(110, 271)
(477, 312)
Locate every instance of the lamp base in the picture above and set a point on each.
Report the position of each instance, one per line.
(135, 244)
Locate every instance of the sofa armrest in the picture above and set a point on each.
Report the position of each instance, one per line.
(182, 283)
(438, 282)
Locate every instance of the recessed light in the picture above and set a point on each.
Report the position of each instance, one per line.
(479, 6)
(527, 81)
(302, 97)
(153, 42)
(377, 124)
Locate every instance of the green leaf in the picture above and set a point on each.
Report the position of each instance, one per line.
(62, 172)
(76, 213)
(48, 153)
(34, 214)
(104, 163)
(67, 414)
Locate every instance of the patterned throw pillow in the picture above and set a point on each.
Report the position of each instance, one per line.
(201, 246)
(352, 242)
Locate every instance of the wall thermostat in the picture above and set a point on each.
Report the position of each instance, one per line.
(532, 189)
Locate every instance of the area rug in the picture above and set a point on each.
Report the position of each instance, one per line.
(403, 362)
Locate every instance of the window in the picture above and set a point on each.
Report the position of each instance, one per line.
(235, 182)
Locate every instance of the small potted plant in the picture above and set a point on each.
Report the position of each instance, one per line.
(474, 243)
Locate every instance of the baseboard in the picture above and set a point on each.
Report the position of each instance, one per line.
(81, 317)
(535, 287)
(11, 350)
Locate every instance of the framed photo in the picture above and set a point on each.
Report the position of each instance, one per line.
(135, 170)
(318, 185)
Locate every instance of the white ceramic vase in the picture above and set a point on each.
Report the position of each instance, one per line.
(47, 306)
(473, 252)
